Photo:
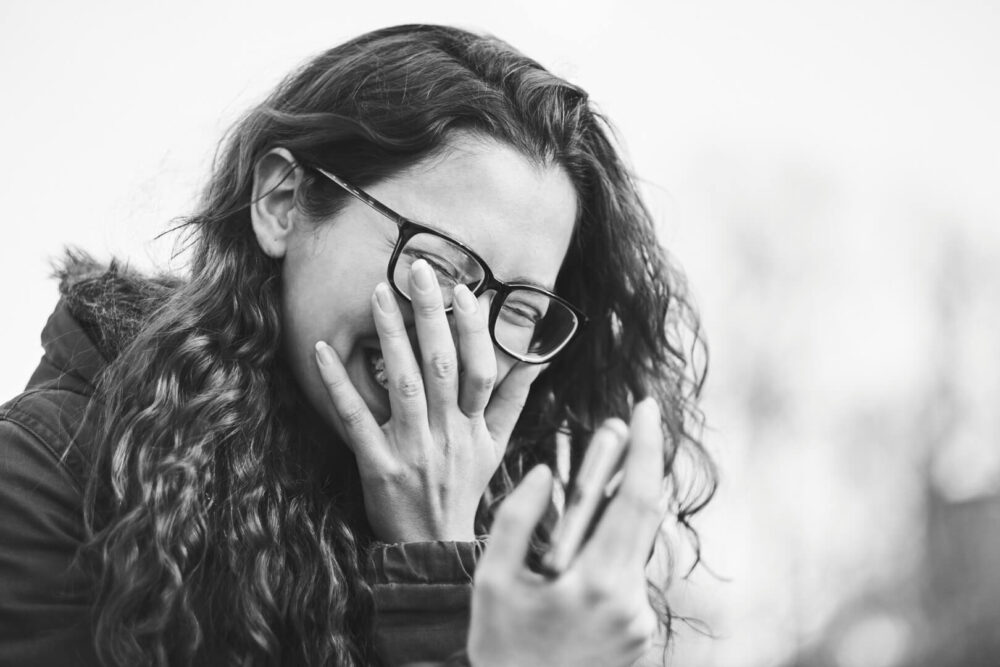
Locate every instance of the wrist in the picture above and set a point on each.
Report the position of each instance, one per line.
(422, 529)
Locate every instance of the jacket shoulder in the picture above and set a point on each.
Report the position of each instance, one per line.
(54, 419)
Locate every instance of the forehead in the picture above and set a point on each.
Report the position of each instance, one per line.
(516, 214)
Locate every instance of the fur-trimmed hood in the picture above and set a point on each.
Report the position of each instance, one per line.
(109, 301)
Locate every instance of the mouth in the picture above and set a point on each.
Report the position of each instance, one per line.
(376, 363)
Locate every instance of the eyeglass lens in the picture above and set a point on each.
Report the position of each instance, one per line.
(530, 324)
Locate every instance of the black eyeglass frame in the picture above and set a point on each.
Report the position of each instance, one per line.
(408, 229)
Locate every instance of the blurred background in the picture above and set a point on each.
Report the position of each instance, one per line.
(827, 175)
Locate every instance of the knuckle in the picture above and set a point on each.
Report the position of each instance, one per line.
(475, 326)
(388, 477)
(337, 384)
(443, 365)
(396, 332)
(622, 616)
(642, 630)
(353, 416)
(409, 385)
(480, 383)
(600, 591)
(429, 308)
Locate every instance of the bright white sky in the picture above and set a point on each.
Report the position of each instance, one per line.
(842, 142)
(112, 109)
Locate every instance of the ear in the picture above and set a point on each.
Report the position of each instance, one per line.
(272, 206)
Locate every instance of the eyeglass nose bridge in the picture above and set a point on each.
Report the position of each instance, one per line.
(500, 292)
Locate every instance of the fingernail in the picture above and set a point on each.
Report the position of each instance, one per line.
(464, 299)
(324, 353)
(422, 275)
(386, 301)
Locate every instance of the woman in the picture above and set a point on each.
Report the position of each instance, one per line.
(416, 263)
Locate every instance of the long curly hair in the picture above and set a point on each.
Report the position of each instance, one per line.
(223, 527)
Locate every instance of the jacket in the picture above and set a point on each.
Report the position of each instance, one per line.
(422, 590)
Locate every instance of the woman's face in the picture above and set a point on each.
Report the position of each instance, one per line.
(518, 216)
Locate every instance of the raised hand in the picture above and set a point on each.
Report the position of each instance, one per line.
(425, 469)
(596, 612)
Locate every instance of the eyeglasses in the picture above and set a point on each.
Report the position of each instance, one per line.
(527, 322)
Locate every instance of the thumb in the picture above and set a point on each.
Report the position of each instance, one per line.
(516, 520)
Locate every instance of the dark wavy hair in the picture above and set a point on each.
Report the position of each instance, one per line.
(223, 528)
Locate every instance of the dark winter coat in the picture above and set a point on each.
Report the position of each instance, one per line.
(422, 590)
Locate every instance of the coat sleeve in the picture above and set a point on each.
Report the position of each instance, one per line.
(44, 599)
(423, 592)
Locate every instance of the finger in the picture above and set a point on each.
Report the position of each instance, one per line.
(604, 454)
(508, 400)
(479, 360)
(406, 385)
(515, 521)
(439, 359)
(361, 430)
(628, 528)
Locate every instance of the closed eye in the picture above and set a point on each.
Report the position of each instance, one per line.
(521, 314)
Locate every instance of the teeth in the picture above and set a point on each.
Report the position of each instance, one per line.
(378, 368)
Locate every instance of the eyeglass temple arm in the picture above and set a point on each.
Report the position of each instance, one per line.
(582, 319)
(363, 196)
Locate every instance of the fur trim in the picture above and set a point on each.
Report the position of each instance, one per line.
(111, 302)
